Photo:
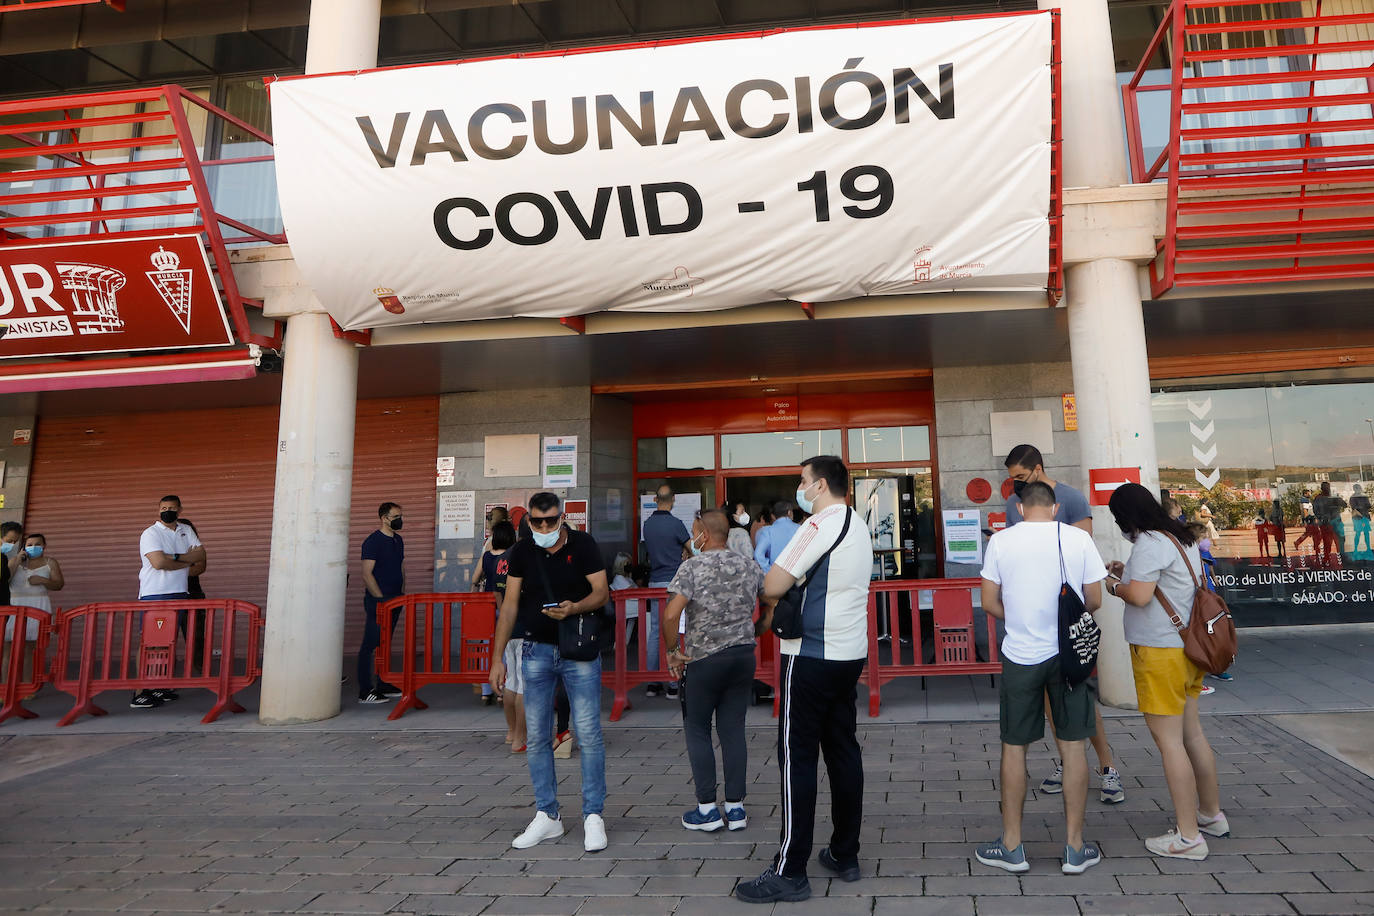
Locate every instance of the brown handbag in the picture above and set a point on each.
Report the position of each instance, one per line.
(1209, 637)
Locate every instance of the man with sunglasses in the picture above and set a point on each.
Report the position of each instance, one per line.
(554, 574)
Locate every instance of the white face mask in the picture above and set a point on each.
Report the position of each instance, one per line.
(742, 518)
(805, 504)
(545, 539)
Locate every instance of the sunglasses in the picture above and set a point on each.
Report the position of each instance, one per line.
(548, 521)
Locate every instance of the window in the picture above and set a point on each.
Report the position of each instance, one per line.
(889, 443)
(774, 450)
(678, 453)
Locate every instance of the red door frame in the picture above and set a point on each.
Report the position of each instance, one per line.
(706, 417)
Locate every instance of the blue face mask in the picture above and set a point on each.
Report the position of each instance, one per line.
(696, 551)
(545, 539)
(35, 551)
(7, 548)
(807, 505)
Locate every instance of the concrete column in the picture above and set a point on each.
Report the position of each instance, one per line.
(310, 549)
(1106, 325)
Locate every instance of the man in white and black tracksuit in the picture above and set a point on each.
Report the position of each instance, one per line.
(820, 673)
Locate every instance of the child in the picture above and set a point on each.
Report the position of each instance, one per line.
(1310, 531)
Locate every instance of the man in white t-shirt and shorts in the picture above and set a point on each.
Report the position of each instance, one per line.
(820, 674)
(1022, 575)
(169, 550)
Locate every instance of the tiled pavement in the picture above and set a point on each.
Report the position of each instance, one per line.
(419, 822)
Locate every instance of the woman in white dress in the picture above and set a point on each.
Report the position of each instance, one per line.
(31, 579)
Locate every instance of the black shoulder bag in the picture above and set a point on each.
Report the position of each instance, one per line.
(787, 615)
(1079, 634)
(579, 636)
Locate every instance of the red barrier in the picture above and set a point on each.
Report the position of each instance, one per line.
(18, 648)
(427, 629)
(950, 633)
(133, 646)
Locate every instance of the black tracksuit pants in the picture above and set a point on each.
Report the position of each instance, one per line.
(718, 686)
(817, 716)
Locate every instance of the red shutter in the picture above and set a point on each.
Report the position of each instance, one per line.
(96, 481)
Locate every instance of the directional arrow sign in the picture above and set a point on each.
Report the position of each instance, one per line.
(1205, 458)
(1208, 480)
(1200, 410)
(1102, 482)
(1204, 433)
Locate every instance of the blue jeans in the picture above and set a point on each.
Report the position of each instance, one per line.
(543, 667)
(653, 615)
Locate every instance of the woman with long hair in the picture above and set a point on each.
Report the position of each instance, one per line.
(1167, 683)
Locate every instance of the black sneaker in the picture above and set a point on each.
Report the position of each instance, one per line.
(388, 690)
(671, 690)
(144, 699)
(375, 695)
(848, 873)
(653, 690)
(771, 886)
(165, 695)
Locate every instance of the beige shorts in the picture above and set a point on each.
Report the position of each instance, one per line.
(515, 674)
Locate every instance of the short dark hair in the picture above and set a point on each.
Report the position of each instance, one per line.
(715, 523)
(1135, 510)
(384, 508)
(7, 527)
(502, 535)
(1037, 494)
(1025, 456)
(782, 508)
(544, 501)
(831, 469)
(171, 499)
(36, 535)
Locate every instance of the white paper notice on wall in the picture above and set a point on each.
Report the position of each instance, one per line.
(560, 461)
(963, 537)
(443, 479)
(457, 515)
(511, 456)
(444, 463)
(1021, 427)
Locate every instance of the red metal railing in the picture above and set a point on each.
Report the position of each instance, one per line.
(1270, 151)
(75, 180)
(24, 633)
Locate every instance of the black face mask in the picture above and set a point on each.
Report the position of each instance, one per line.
(396, 524)
(1018, 486)
(168, 516)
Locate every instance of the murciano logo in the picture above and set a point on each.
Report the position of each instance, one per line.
(681, 281)
(389, 300)
(93, 289)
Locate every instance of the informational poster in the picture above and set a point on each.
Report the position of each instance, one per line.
(1070, 413)
(443, 471)
(575, 513)
(861, 163)
(457, 509)
(613, 505)
(963, 536)
(560, 461)
(685, 508)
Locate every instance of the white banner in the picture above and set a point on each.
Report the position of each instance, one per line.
(811, 165)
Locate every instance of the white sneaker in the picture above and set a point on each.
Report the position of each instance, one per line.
(540, 829)
(594, 833)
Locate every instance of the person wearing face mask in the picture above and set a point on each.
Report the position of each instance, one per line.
(36, 575)
(664, 539)
(719, 588)
(384, 577)
(739, 540)
(1026, 465)
(169, 550)
(833, 555)
(11, 549)
(555, 574)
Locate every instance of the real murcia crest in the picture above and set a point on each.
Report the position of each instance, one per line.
(173, 285)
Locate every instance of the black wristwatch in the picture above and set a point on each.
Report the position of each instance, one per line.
(176, 557)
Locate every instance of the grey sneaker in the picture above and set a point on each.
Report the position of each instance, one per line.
(1077, 861)
(998, 856)
(1054, 783)
(1112, 793)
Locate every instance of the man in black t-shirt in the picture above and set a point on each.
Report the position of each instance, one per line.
(384, 555)
(554, 574)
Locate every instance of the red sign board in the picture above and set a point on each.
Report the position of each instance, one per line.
(781, 413)
(997, 521)
(1102, 482)
(575, 513)
(154, 293)
(979, 490)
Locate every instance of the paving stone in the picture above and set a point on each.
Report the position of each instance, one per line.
(444, 905)
(1169, 884)
(1027, 906)
(630, 906)
(924, 906)
(267, 901)
(352, 903)
(1132, 905)
(1234, 904)
(1285, 883)
(1309, 862)
(1332, 904)
(535, 906)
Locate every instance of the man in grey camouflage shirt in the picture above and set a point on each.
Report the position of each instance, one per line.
(718, 588)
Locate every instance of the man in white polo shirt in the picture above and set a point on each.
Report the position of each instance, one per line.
(819, 678)
(169, 550)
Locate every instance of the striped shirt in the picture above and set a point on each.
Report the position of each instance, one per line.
(835, 606)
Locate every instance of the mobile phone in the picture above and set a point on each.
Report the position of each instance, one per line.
(549, 605)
